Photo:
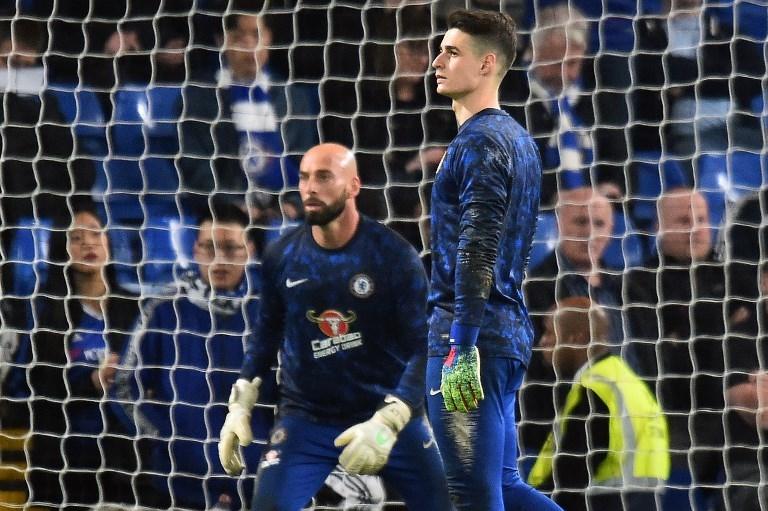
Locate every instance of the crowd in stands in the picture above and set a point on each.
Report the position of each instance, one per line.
(141, 141)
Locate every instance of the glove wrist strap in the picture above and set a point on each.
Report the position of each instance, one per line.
(464, 336)
(395, 414)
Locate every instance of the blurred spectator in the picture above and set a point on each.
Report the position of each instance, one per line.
(177, 397)
(169, 58)
(38, 168)
(556, 111)
(246, 133)
(608, 73)
(77, 325)
(747, 401)
(585, 221)
(104, 43)
(394, 121)
(676, 311)
(611, 451)
(375, 100)
(708, 72)
(746, 245)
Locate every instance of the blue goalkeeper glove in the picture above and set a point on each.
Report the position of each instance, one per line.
(460, 383)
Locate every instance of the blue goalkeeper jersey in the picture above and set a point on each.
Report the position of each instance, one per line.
(485, 202)
(350, 324)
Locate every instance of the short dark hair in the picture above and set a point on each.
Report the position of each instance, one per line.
(225, 212)
(244, 8)
(494, 30)
(26, 31)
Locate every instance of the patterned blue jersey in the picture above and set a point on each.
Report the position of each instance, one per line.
(484, 206)
(350, 324)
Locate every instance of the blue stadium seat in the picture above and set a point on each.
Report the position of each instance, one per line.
(81, 109)
(723, 179)
(626, 248)
(544, 239)
(148, 259)
(276, 228)
(651, 175)
(144, 141)
(28, 256)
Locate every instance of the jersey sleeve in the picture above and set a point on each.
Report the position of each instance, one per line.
(264, 342)
(139, 377)
(482, 176)
(411, 280)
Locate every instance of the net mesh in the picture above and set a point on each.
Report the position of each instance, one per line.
(136, 105)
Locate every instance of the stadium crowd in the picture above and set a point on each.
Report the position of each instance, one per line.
(129, 128)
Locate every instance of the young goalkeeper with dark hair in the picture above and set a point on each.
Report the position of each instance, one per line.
(484, 205)
(343, 302)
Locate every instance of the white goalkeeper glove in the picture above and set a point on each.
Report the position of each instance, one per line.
(237, 425)
(369, 443)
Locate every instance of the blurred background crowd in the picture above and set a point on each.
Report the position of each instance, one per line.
(127, 127)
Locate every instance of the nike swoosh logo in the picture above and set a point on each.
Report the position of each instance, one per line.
(428, 444)
(433, 392)
(293, 283)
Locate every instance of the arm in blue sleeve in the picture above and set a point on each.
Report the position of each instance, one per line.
(138, 378)
(483, 193)
(412, 327)
(264, 342)
(78, 377)
(15, 384)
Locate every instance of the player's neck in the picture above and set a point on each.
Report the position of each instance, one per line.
(474, 102)
(337, 233)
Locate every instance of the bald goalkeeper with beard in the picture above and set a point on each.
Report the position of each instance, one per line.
(344, 302)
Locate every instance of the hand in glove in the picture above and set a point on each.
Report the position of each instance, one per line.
(237, 425)
(369, 443)
(460, 383)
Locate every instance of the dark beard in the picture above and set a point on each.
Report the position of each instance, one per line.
(327, 214)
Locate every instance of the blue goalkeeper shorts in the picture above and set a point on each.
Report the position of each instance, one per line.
(301, 454)
(479, 448)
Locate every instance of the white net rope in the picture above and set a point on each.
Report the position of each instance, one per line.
(147, 114)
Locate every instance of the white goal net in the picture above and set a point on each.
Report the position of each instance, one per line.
(135, 119)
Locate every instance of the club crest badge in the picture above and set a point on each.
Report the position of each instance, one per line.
(361, 285)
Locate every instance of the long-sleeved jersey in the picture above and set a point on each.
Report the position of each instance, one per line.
(484, 206)
(350, 324)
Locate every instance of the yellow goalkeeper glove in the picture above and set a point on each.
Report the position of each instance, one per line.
(237, 425)
(369, 443)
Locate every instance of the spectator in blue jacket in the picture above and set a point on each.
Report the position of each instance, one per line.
(244, 134)
(181, 363)
(73, 331)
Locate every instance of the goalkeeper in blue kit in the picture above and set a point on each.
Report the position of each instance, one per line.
(484, 206)
(344, 303)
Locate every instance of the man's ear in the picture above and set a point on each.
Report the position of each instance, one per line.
(489, 64)
(354, 187)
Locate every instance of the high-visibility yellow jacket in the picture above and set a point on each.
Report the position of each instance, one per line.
(638, 446)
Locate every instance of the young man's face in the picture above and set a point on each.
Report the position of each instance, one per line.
(458, 65)
(222, 253)
(246, 46)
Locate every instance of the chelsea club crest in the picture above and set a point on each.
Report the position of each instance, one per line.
(361, 285)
